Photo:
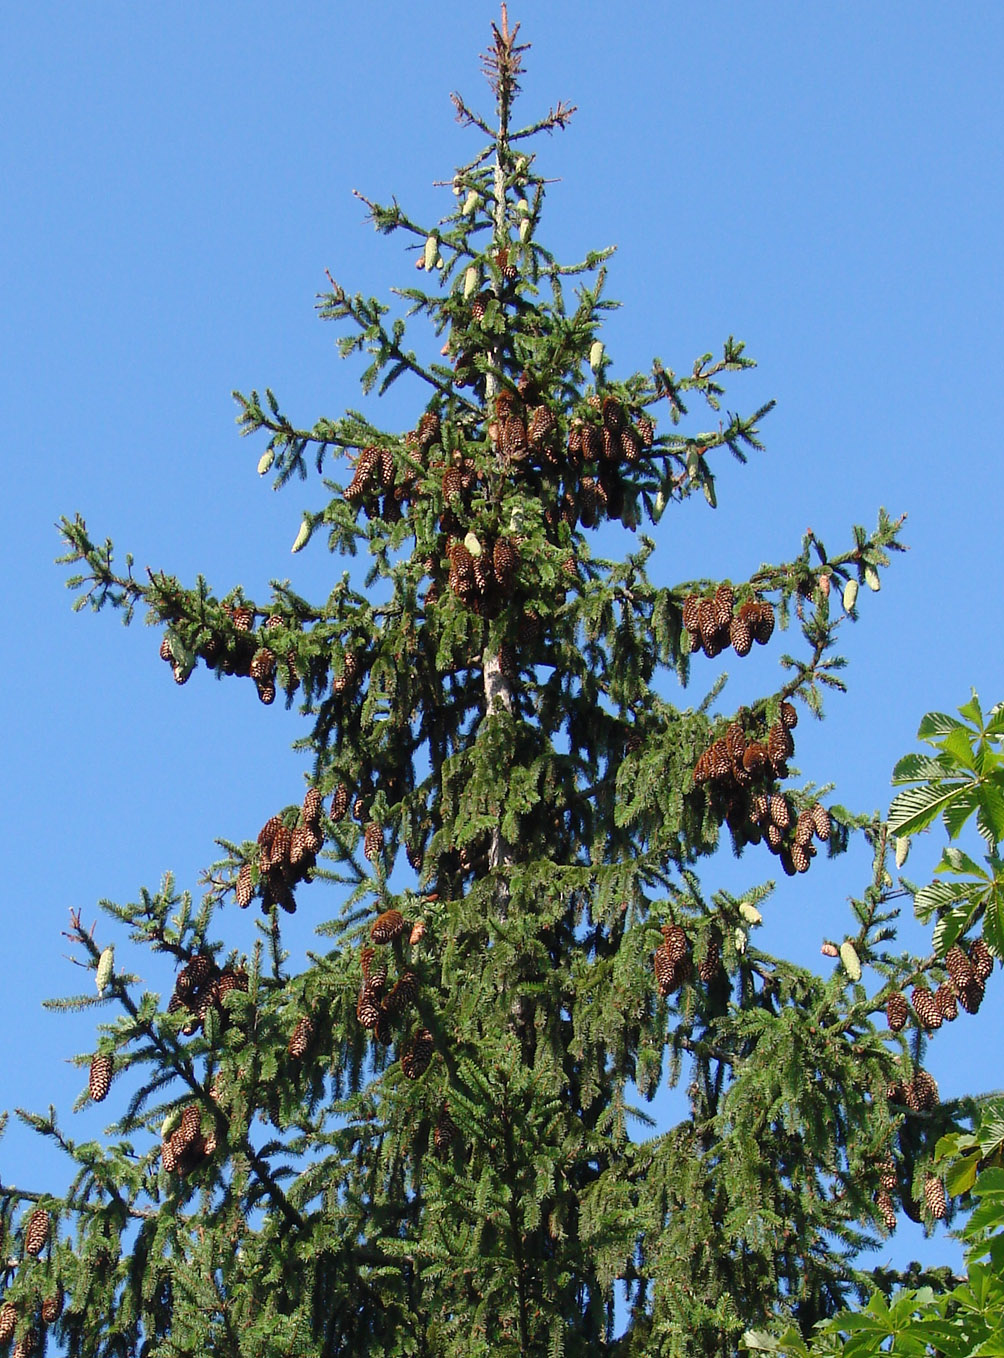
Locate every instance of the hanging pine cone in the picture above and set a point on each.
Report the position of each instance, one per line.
(542, 421)
(444, 1134)
(887, 1174)
(646, 431)
(788, 715)
(36, 1233)
(242, 617)
(266, 838)
(194, 975)
(755, 758)
(100, 1078)
(417, 1054)
(822, 823)
(675, 941)
(266, 691)
(780, 746)
(934, 1196)
(959, 967)
(981, 960)
(312, 807)
(372, 841)
(300, 1039)
(387, 926)
(740, 636)
(724, 602)
(925, 1007)
(8, 1321)
(760, 808)
(780, 811)
(691, 613)
(403, 992)
(666, 978)
(513, 439)
(304, 844)
(896, 1011)
(428, 429)
(800, 858)
(367, 1011)
(413, 853)
(888, 1212)
(922, 1092)
(263, 664)
(27, 1345)
(971, 996)
(763, 623)
(52, 1306)
(945, 999)
(804, 827)
(339, 802)
(504, 561)
(359, 807)
(244, 888)
(190, 1125)
(774, 836)
(708, 966)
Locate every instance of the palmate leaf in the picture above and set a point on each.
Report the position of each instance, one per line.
(958, 811)
(958, 745)
(921, 768)
(936, 724)
(916, 807)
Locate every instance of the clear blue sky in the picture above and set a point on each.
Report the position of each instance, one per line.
(822, 181)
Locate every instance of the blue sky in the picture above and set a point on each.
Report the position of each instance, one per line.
(823, 182)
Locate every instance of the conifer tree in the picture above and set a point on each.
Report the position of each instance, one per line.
(422, 1141)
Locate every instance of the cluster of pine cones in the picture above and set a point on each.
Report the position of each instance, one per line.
(672, 963)
(186, 1148)
(285, 856)
(968, 975)
(733, 765)
(238, 652)
(919, 1093)
(712, 624)
(201, 985)
(934, 1194)
(36, 1236)
(379, 484)
(482, 577)
(379, 1009)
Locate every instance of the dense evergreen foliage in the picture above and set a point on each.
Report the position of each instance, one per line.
(423, 1141)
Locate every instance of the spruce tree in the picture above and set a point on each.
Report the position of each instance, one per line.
(424, 1139)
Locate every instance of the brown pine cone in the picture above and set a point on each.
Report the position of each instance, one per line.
(755, 758)
(675, 942)
(884, 1203)
(36, 1233)
(763, 623)
(26, 1346)
(444, 1134)
(666, 979)
(8, 1321)
(981, 959)
(760, 808)
(780, 746)
(800, 858)
(244, 888)
(896, 1012)
(263, 665)
(52, 1306)
(971, 996)
(339, 802)
(387, 926)
(924, 1091)
(403, 992)
(959, 967)
(708, 966)
(822, 823)
(303, 849)
(691, 612)
(646, 431)
(788, 715)
(887, 1174)
(934, 1196)
(312, 806)
(780, 811)
(740, 636)
(724, 602)
(428, 429)
(300, 1039)
(417, 1054)
(946, 1000)
(367, 1012)
(925, 1007)
(100, 1078)
(372, 841)
(804, 827)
